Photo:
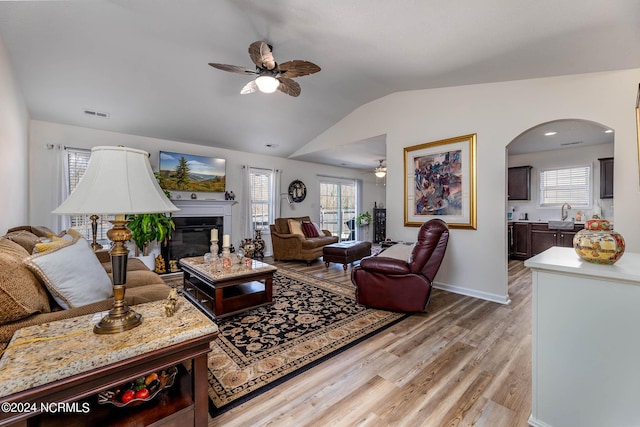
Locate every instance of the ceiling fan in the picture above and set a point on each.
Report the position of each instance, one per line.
(380, 171)
(271, 76)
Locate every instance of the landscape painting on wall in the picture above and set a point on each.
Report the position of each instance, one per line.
(185, 172)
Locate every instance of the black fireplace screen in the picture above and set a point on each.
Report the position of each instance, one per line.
(192, 237)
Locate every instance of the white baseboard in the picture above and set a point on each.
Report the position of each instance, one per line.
(537, 423)
(502, 299)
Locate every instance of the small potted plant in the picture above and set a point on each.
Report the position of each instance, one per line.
(363, 219)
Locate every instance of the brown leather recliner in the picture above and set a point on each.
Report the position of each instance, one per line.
(403, 285)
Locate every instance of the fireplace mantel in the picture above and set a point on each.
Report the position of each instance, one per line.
(204, 207)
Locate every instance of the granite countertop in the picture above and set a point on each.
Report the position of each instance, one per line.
(540, 221)
(75, 349)
(216, 271)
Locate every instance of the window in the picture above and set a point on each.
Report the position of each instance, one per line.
(77, 161)
(338, 201)
(567, 185)
(261, 181)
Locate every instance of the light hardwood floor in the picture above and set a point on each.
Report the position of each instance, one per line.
(466, 362)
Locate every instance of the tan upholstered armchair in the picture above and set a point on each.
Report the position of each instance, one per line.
(295, 246)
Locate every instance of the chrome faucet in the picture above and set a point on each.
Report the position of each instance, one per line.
(564, 214)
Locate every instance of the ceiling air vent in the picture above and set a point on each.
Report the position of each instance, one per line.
(94, 113)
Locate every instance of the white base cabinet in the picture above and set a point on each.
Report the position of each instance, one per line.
(586, 341)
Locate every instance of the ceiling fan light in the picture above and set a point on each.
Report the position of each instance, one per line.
(267, 84)
(380, 173)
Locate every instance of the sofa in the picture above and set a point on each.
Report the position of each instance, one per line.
(27, 299)
(290, 243)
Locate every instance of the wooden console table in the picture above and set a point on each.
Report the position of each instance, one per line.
(72, 365)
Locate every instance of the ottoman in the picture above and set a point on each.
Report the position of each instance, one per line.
(345, 252)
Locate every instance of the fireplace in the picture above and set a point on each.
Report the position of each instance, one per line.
(194, 223)
(192, 237)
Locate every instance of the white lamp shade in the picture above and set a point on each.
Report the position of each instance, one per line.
(118, 180)
(267, 84)
(380, 173)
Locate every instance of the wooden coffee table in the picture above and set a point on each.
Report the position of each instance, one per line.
(221, 292)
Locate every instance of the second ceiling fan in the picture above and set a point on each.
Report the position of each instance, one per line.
(271, 76)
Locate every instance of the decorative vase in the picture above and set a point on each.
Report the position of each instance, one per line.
(598, 243)
(258, 245)
(248, 248)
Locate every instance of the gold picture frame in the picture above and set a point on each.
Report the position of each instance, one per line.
(638, 123)
(440, 182)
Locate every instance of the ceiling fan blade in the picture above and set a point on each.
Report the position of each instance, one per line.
(233, 68)
(297, 68)
(289, 86)
(261, 55)
(249, 88)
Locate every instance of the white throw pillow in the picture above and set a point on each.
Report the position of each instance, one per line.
(73, 275)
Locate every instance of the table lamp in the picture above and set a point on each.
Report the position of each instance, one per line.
(118, 181)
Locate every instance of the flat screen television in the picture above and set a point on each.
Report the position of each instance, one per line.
(186, 172)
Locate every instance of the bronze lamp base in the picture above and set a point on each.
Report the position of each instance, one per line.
(120, 318)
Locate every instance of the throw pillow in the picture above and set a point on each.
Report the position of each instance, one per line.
(24, 238)
(295, 227)
(53, 242)
(21, 294)
(73, 274)
(309, 230)
(320, 233)
(73, 233)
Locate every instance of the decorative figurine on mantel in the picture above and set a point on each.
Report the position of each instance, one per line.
(258, 245)
(228, 195)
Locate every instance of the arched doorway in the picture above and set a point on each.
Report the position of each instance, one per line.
(547, 164)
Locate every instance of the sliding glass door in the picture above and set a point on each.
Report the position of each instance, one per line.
(338, 207)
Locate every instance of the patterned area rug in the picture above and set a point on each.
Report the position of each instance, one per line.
(310, 321)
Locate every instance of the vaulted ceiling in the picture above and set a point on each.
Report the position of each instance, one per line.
(144, 62)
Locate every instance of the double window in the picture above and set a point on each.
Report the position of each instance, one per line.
(338, 207)
(566, 185)
(77, 160)
(261, 210)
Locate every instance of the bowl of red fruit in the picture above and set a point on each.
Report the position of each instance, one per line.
(140, 390)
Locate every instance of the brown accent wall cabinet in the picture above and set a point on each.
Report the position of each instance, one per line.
(519, 183)
(606, 178)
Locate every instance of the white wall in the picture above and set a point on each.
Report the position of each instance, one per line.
(557, 159)
(476, 261)
(43, 133)
(14, 148)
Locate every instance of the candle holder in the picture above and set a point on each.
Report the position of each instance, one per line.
(214, 249)
(226, 257)
(213, 255)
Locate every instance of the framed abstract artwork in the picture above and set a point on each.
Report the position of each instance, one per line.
(440, 182)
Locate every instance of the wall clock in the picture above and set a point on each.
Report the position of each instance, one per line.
(297, 191)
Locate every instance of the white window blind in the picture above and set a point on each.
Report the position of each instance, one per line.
(566, 185)
(77, 161)
(261, 204)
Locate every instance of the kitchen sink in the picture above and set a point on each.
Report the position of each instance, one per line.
(560, 225)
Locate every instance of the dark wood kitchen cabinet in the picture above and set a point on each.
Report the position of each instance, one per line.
(527, 239)
(542, 238)
(519, 183)
(606, 178)
(519, 240)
